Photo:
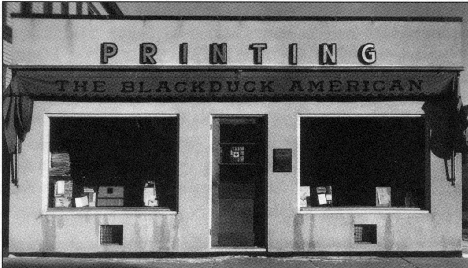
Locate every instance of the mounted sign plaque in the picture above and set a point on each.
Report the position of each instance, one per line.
(282, 160)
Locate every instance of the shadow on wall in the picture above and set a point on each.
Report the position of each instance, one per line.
(465, 197)
(5, 197)
(465, 191)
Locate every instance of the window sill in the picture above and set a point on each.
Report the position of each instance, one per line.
(109, 210)
(350, 210)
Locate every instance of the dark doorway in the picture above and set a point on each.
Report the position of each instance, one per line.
(238, 189)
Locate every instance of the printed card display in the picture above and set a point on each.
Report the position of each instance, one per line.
(91, 196)
(321, 191)
(62, 202)
(63, 193)
(149, 194)
(237, 154)
(81, 201)
(324, 195)
(305, 196)
(383, 196)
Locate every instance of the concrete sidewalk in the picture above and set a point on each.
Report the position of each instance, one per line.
(239, 261)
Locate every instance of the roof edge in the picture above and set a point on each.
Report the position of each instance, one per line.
(116, 14)
(112, 9)
(234, 68)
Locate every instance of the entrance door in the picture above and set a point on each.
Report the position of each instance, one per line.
(238, 183)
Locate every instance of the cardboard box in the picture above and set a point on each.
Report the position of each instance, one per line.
(110, 196)
(111, 192)
(110, 202)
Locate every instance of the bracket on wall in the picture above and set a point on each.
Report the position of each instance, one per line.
(450, 173)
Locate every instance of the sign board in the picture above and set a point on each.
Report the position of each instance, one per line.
(282, 160)
(231, 85)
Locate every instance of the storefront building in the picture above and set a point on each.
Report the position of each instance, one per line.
(246, 134)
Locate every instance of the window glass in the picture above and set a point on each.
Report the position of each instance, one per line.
(113, 162)
(362, 161)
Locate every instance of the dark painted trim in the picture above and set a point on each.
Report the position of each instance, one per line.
(398, 254)
(231, 68)
(112, 9)
(48, 8)
(7, 33)
(245, 18)
(65, 8)
(91, 8)
(26, 8)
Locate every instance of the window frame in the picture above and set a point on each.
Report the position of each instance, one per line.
(46, 210)
(362, 210)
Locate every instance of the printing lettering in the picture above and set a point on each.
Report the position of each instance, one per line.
(218, 53)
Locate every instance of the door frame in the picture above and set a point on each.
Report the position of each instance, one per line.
(265, 178)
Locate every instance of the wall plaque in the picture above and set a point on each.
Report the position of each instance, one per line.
(282, 160)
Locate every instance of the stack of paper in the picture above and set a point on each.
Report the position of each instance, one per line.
(59, 164)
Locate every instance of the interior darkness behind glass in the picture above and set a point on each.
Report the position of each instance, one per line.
(120, 152)
(355, 155)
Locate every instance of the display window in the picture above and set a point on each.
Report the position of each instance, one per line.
(113, 162)
(363, 162)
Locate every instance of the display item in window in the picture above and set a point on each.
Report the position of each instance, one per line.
(81, 202)
(110, 196)
(149, 194)
(59, 164)
(305, 196)
(329, 195)
(237, 154)
(383, 196)
(91, 194)
(410, 202)
(63, 193)
(324, 195)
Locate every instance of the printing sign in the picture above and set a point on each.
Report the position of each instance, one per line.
(218, 53)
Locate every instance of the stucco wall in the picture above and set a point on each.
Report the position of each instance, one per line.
(77, 42)
(34, 229)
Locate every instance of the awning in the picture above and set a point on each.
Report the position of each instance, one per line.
(230, 85)
(439, 90)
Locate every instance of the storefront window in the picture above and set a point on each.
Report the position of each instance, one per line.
(362, 162)
(113, 162)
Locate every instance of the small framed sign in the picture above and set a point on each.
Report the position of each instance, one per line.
(282, 160)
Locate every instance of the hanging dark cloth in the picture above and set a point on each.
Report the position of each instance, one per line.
(448, 121)
(17, 115)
